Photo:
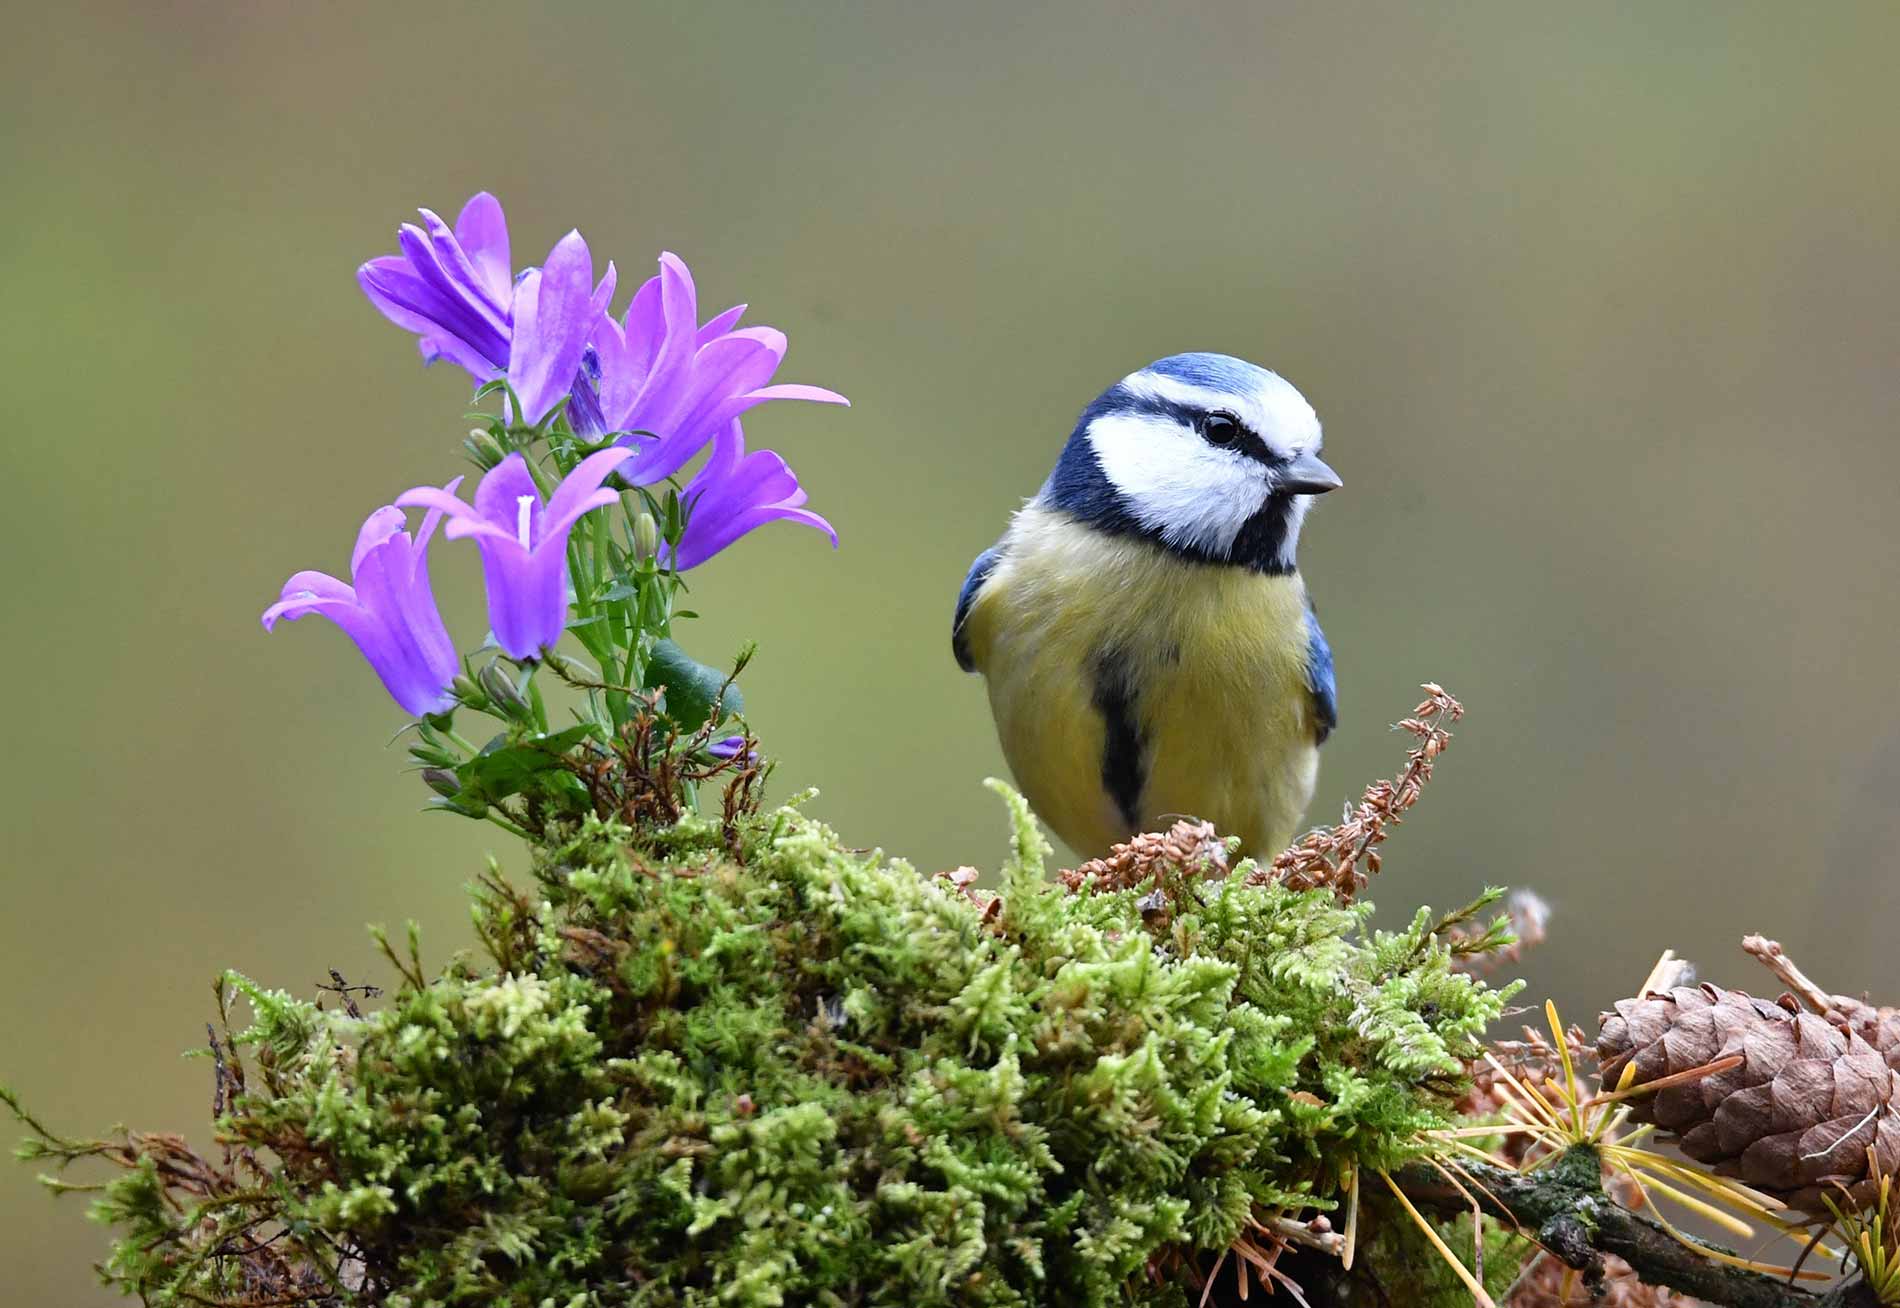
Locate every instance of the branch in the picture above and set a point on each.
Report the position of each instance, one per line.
(1564, 1209)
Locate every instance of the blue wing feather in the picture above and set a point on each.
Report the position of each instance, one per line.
(1319, 677)
(979, 573)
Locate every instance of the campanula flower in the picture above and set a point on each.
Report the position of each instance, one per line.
(730, 747)
(389, 610)
(734, 493)
(524, 542)
(456, 291)
(657, 371)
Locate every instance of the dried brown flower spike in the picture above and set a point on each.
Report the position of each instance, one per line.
(1184, 847)
(1333, 856)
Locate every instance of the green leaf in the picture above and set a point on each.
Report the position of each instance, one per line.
(560, 742)
(505, 767)
(691, 686)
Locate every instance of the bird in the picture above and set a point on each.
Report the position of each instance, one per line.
(1142, 628)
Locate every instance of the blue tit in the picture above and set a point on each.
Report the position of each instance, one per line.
(1146, 638)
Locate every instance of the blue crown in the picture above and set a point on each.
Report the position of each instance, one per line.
(1217, 372)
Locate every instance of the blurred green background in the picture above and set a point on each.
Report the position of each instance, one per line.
(1600, 306)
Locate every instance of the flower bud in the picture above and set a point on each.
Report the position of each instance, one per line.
(430, 756)
(646, 538)
(484, 448)
(466, 690)
(442, 782)
(501, 692)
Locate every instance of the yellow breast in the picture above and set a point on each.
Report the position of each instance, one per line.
(1213, 660)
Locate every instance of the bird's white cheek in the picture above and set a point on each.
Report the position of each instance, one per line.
(1178, 485)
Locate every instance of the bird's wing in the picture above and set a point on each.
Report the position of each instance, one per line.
(979, 571)
(1319, 677)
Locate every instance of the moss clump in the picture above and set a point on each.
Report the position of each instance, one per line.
(744, 1064)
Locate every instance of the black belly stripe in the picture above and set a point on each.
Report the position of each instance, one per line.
(1124, 767)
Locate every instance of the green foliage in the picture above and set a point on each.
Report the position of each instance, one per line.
(1394, 1241)
(693, 691)
(741, 1063)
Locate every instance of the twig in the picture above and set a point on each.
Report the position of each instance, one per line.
(1564, 1208)
(1770, 955)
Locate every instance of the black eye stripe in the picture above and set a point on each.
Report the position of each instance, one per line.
(1119, 400)
(1224, 430)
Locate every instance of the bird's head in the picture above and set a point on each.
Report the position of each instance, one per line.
(1206, 455)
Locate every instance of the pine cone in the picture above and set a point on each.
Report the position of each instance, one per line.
(1794, 1119)
(1879, 1027)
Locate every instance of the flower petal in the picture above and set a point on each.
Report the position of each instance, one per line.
(583, 407)
(555, 313)
(719, 326)
(377, 528)
(644, 328)
(736, 492)
(434, 515)
(308, 592)
(527, 597)
(616, 381)
(794, 391)
(696, 547)
(418, 683)
(604, 293)
(459, 307)
(559, 525)
(723, 372)
(499, 495)
(675, 346)
(439, 500)
(468, 281)
(425, 617)
(482, 229)
(384, 586)
(581, 491)
(404, 298)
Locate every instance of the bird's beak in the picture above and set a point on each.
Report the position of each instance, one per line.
(1306, 475)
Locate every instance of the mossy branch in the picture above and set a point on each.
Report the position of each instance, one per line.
(1565, 1209)
(733, 1055)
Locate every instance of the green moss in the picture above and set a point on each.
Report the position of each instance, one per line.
(748, 1065)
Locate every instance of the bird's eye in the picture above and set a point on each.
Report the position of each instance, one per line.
(1220, 428)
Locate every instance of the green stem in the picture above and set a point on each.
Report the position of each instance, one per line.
(535, 701)
(494, 816)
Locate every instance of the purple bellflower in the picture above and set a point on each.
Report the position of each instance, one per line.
(734, 493)
(389, 611)
(658, 371)
(456, 291)
(524, 542)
